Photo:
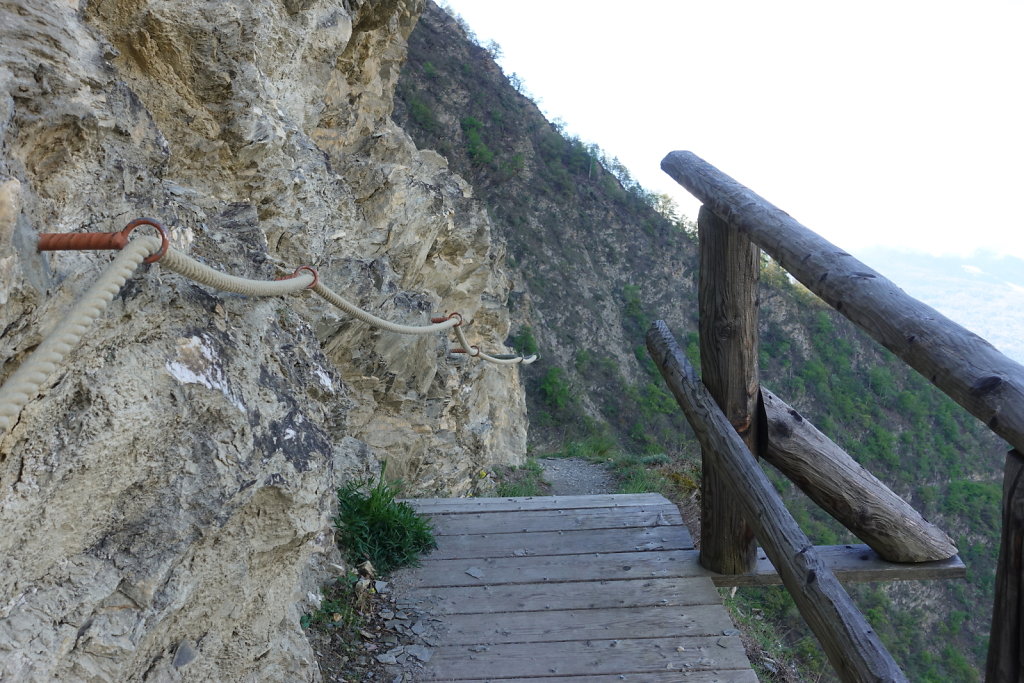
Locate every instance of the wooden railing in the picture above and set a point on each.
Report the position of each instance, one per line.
(737, 421)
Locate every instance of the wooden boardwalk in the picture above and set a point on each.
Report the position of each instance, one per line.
(571, 588)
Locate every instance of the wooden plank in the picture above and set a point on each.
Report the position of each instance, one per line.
(562, 542)
(464, 505)
(727, 299)
(847, 491)
(573, 625)
(851, 564)
(962, 364)
(1006, 645)
(535, 597)
(585, 658)
(544, 569)
(553, 520)
(723, 676)
(852, 646)
(854, 563)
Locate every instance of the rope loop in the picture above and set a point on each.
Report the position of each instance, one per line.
(310, 269)
(127, 230)
(445, 318)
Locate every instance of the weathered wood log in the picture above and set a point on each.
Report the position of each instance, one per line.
(965, 366)
(727, 300)
(851, 644)
(847, 491)
(1006, 644)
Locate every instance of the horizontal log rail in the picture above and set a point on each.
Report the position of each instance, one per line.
(846, 490)
(850, 643)
(851, 564)
(962, 364)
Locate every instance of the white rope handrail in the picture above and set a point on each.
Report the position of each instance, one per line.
(22, 386)
(27, 380)
(334, 298)
(503, 359)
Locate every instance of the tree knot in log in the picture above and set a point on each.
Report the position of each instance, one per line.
(985, 385)
(780, 430)
(741, 425)
(796, 416)
(725, 330)
(812, 576)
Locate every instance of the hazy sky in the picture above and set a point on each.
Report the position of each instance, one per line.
(895, 123)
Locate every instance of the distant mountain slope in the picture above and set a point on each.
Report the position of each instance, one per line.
(594, 263)
(982, 292)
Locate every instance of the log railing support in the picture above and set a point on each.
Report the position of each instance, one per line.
(843, 488)
(960, 363)
(851, 644)
(729, 271)
(1006, 644)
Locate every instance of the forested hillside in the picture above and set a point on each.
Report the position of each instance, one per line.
(596, 259)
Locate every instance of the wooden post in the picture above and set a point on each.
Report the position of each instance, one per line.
(847, 491)
(969, 369)
(1006, 644)
(729, 271)
(851, 644)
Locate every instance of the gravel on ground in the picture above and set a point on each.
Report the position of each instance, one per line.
(576, 477)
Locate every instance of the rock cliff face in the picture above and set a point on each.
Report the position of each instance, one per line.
(165, 499)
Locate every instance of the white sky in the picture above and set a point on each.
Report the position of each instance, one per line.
(873, 123)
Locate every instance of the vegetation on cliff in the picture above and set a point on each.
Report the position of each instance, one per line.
(596, 258)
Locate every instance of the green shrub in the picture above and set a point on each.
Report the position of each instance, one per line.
(554, 388)
(524, 342)
(421, 113)
(478, 152)
(372, 525)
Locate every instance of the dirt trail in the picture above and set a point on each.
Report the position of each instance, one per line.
(576, 477)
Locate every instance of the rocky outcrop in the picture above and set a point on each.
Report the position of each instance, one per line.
(166, 497)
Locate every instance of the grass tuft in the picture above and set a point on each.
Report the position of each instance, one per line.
(336, 609)
(528, 480)
(372, 525)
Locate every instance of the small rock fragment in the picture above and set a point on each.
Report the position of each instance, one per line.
(183, 655)
(420, 652)
(475, 572)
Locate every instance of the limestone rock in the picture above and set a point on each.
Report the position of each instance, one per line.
(165, 499)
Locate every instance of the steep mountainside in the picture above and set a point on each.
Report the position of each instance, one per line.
(165, 499)
(593, 263)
